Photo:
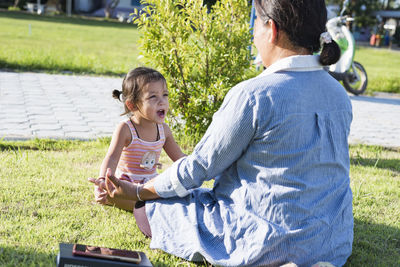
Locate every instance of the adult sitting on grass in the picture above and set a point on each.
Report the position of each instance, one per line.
(278, 151)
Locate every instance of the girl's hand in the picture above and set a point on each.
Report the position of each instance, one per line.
(100, 190)
(99, 182)
(117, 188)
(100, 195)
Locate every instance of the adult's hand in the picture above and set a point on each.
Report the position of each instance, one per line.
(118, 188)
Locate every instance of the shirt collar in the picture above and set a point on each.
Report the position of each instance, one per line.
(294, 63)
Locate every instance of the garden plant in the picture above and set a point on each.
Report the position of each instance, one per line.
(203, 52)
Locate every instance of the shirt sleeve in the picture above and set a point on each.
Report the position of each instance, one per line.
(229, 134)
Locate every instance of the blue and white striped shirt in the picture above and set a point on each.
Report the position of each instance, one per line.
(278, 151)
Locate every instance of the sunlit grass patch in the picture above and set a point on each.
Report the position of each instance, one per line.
(45, 199)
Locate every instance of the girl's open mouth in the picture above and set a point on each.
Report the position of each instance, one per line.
(161, 113)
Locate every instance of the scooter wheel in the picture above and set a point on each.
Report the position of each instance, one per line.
(356, 79)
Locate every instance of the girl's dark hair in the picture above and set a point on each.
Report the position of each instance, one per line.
(133, 84)
(303, 21)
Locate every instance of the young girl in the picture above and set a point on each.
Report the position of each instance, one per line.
(137, 141)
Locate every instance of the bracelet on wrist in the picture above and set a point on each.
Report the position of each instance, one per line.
(138, 189)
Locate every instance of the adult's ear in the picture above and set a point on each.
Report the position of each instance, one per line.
(273, 37)
(130, 105)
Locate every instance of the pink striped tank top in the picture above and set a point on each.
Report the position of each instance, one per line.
(139, 159)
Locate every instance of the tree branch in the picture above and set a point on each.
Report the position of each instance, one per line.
(185, 99)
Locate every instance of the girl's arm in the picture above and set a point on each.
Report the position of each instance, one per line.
(121, 138)
(172, 149)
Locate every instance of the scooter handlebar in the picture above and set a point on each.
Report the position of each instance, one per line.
(339, 20)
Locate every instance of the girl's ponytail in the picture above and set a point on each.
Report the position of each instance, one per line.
(117, 95)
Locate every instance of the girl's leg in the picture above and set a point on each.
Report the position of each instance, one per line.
(141, 219)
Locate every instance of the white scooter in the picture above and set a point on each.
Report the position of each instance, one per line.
(352, 73)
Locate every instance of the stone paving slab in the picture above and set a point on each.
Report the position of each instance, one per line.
(376, 121)
(81, 107)
(57, 106)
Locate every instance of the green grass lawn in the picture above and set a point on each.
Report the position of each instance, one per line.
(88, 46)
(45, 199)
(60, 44)
(383, 68)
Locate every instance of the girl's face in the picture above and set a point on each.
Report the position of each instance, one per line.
(153, 104)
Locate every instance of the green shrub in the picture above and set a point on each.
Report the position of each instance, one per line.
(201, 52)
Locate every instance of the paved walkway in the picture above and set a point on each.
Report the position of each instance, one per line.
(81, 107)
(57, 106)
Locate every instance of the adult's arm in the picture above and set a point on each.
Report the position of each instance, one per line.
(232, 129)
(125, 190)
